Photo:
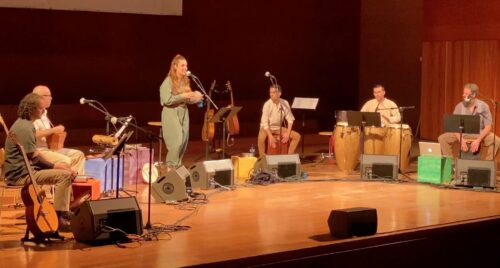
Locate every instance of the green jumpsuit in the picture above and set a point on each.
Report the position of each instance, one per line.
(174, 122)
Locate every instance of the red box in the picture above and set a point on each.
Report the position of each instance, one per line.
(91, 186)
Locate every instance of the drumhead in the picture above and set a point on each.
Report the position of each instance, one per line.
(145, 173)
(341, 116)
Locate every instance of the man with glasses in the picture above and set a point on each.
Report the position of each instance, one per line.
(44, 128)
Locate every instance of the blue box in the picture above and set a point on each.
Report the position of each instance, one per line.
(100, 169)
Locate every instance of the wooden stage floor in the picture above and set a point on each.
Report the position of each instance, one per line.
(254, 225)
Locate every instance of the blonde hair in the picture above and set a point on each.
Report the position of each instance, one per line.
(178, 81)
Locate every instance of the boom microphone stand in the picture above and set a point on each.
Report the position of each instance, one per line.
(151, 136)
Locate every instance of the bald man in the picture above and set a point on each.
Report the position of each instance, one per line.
(44, 128)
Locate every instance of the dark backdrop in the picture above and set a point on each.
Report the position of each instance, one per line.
(312, 47)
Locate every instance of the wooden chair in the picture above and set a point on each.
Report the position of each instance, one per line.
(9, 190)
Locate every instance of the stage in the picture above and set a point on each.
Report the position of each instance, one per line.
(285, 224)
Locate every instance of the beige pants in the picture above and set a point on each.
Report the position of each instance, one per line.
(450, 144)
(261, 141)
(74, 158)
(61, 179)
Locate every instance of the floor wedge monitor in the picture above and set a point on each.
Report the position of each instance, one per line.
(285, 166)
(207, 174)
(475, 173)
(171, 186)
(106, 220)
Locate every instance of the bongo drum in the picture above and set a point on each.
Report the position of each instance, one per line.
(391, 143)
(346, 146)
(374, 140)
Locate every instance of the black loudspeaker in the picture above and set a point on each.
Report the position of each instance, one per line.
(379, 166)
(350, 222)
(171, 186)
(107, 220)
(476, 173)
(285, 166)
(220, 171)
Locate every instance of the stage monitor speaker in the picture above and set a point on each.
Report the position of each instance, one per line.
(379, 166)
(285, 166)
(95, 221)
(220, 171)
(475, 173)
(171, 186)
(359, 221)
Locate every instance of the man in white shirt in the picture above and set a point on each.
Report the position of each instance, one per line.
(389, 112)
(44, 128)
(275, 113)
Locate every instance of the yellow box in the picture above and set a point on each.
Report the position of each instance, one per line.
(242, 167)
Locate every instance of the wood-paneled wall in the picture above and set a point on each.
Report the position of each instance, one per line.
(460, 46)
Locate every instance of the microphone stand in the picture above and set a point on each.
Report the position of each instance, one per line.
(495, 105)
(200, 86)
(151, 137)
(401, 110)
(103, 110)
(207, 96)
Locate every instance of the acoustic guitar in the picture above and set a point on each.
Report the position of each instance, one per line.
(233, 125)
(208, 130)
(41, 216)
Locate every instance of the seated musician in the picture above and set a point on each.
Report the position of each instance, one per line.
(45, 128)
(471, 105)
(59, 174)
(274, 113)
(389, 113)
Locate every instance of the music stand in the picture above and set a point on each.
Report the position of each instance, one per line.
(362, 119)
(117, 150)
(304, 104)
(463, 124)
(221, 116)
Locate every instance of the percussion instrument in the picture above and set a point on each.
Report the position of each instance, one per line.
(374, 140)
(347, 146)
(55, 141)
(391, 143)
(341, 116)
(154, 123)
(104, 140)
(157, 171)
(281, 147)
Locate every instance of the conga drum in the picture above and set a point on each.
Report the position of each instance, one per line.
(281, 147)
(374, 140)
(391, 143)
(346, 146)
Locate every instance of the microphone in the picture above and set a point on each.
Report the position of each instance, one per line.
(190, 74)
(268, 74)
(125, 124)
(376, 108)
(406, 107)
(85, 101)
